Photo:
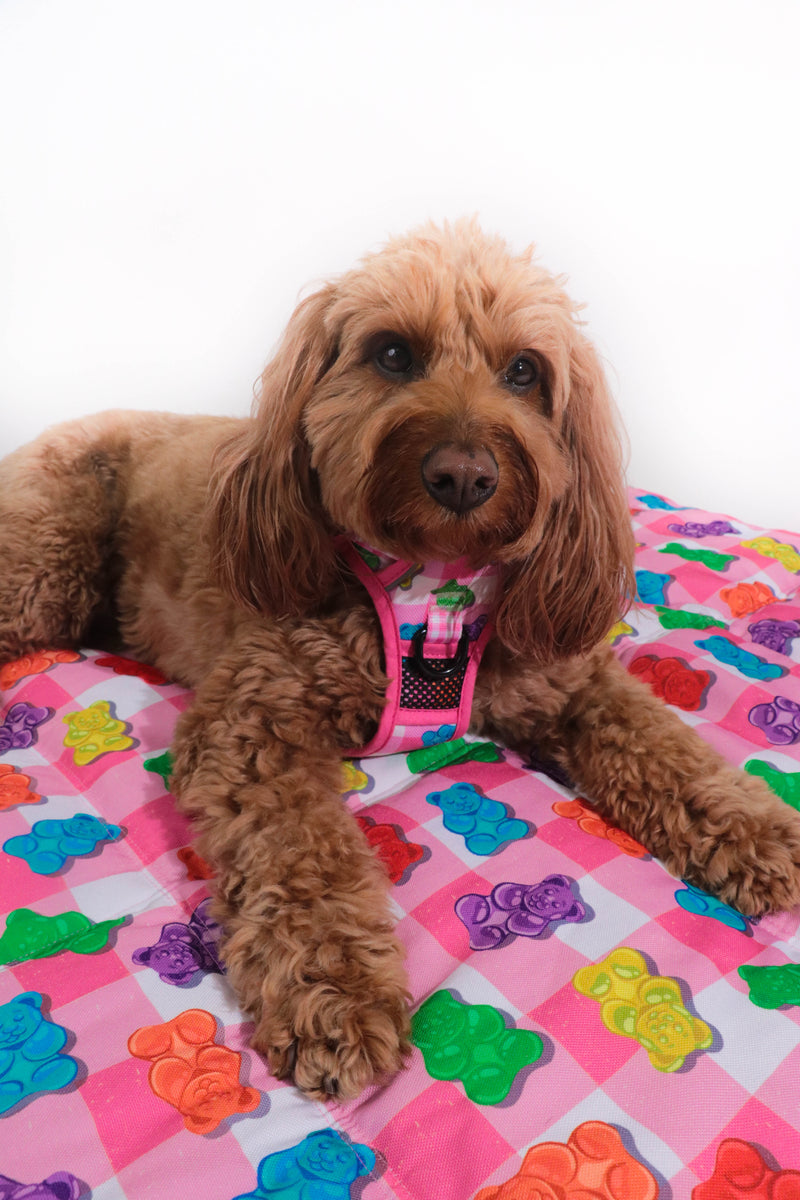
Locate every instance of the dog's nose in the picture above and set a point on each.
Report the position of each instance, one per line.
(460, 477)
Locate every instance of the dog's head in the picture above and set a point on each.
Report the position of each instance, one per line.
(440, 400)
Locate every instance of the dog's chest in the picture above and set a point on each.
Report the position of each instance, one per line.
(431, 630)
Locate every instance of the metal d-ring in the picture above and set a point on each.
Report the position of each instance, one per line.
(454, 665)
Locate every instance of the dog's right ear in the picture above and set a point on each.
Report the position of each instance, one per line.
(270, 541)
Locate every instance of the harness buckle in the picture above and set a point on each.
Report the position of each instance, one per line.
(423, 665)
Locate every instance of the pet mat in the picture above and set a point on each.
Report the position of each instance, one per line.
(584, 1024)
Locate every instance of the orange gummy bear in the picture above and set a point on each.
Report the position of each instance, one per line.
(746, 598)
(191, 1072)
(591, 822)
(34, 663)
(15, 788)
(593, 1165)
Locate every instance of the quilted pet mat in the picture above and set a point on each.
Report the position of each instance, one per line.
(584, 1024)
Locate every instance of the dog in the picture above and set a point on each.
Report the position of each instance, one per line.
(439, 403)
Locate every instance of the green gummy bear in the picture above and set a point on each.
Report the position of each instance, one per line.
(770, 987)
(674, 618)
(709, 558)
(372, 560)
(162, 765)
(784, 784)
(30, 935)
(471, 1042)
(453, 595)
(446, 754)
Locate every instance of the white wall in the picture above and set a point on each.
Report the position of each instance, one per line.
(173, 172)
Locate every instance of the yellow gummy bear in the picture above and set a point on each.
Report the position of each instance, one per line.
(94, 731)
(621, 629)
(786, 555)
(645, 1007)
(353, 779)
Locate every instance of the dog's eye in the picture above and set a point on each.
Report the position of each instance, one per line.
(523, 373)
(394, 359)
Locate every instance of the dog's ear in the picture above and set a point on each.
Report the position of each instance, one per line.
(579, 579)
(271, 543)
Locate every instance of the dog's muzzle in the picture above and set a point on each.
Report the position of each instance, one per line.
(460, 477)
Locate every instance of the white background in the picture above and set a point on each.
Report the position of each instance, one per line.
(174, 172)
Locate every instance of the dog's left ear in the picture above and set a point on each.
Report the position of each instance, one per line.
(270, 541)
(579, 579)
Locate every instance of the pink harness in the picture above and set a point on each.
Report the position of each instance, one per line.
(436, 621)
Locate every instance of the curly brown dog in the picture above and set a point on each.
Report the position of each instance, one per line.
(438, 401)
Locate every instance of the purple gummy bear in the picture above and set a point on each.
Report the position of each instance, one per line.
(474, 629)
(696, 529)
(517, 908)
(59, 1186)
(779, 720)
(775, 635)
(183, 950)
(18, 730)
(549, 767)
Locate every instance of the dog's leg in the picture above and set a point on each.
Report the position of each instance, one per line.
(309, 943)
(649, 773)
(55, 525)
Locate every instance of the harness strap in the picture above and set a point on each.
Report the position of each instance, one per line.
(436, 621)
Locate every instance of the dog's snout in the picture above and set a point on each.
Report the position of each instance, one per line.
(460, 477)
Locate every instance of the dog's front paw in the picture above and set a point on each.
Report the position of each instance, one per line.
(754, 855)
(334, 1042)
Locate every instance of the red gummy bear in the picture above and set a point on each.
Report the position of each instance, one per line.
(196, 867)
(128, 666)
(396, 854)
(593, 1165)
(740, 1173)
(672, 680)
(191, 1072)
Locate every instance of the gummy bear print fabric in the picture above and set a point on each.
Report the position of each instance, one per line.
(593, 1162)
(31, 1052)
(193, 1073)
(323, 1166)
(584, 1024)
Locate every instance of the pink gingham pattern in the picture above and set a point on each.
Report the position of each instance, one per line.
(720, 636)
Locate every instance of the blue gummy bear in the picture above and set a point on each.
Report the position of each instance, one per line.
(652, 501)
(650, 587)
(50, 843)
(435, 737)
(484, 823)
(749, 664)
(30, 1052)
(700, 903)
(321, 1167)
(407, 630)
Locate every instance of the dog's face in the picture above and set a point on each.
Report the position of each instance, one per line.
(435, 430)
(439, 401)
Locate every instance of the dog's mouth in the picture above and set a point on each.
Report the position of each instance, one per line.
(450, 500)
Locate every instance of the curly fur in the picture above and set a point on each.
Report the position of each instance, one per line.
(208, 544)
